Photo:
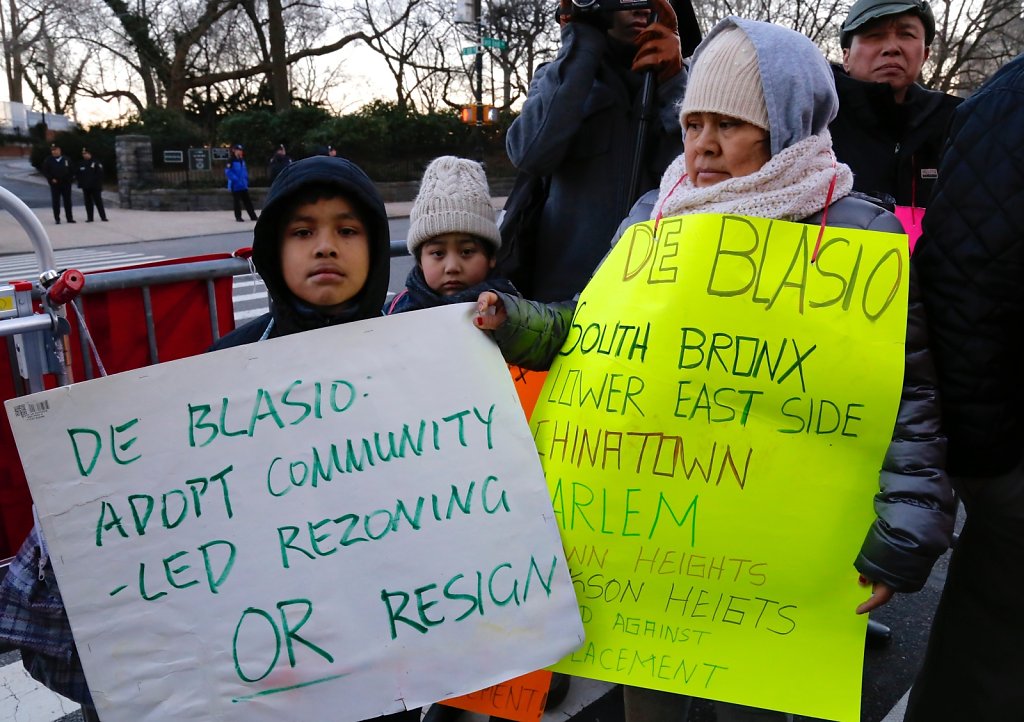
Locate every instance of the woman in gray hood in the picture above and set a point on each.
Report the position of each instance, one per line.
(755, 120)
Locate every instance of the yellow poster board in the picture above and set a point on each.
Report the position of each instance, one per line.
(712, 433)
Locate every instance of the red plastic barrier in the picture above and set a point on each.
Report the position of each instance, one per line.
(117, 322)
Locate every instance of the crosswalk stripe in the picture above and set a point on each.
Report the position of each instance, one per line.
(241, 316)
(27, 265)
(248, 290)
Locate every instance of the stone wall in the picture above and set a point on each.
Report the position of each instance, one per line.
(170, 199)
(135, 181)
(134, 155)
(219, 199)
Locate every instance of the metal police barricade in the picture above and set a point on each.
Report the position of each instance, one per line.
(65, 326)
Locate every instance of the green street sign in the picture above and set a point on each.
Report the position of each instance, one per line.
(495, 43)
(470, 50)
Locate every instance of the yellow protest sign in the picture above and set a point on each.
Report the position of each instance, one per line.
(712, 433)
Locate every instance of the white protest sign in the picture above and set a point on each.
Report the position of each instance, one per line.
(335, 525)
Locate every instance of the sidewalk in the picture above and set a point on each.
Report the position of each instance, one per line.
(129, 226)
(124, 226)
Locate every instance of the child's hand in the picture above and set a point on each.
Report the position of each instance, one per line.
(490, 311)
(880, 594)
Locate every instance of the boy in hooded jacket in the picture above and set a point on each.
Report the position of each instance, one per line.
(323, 248)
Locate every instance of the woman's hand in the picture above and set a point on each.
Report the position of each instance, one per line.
(880, 594)
(490, 311)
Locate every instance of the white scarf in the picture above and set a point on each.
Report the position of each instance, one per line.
(791, 186)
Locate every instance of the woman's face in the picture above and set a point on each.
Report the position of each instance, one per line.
(718, 147)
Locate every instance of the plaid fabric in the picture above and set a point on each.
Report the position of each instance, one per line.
(32, 618)
(62, 676)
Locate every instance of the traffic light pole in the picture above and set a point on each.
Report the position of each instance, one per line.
(479, 93)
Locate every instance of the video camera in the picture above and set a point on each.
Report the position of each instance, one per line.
(596, 12)
(586, 7)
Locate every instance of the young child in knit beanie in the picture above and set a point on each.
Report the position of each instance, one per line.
(453, 236)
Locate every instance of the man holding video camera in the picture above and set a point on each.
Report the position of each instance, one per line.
(579, 127)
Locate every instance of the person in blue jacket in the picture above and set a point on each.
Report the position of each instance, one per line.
(238, 182)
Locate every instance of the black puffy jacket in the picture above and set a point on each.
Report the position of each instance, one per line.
(893, 148)
(971, 264)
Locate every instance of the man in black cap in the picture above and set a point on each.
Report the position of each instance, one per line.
(90, 180)
(890, 130)
(59, 174)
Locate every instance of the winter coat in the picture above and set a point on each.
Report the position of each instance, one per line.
(579, 126)
(90, 175)
(914, 506)
(418, 295)
(59, 169)
(276, 164)
(287, 313)
(893, 148)
(971, 264)
(237, 174)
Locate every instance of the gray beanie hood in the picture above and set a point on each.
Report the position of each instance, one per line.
(453, 198)
(799, 88)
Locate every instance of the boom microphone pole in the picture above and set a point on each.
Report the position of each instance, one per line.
(689, 38)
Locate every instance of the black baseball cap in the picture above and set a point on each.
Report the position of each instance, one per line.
(864, 11)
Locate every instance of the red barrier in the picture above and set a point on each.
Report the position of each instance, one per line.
(117, 322)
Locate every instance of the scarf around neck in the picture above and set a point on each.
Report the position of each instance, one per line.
(791, 186)
(419, 295)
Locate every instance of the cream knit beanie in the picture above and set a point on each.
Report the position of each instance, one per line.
(725, 79)
(453, 198)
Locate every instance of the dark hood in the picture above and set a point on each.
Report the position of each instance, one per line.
(290, 314)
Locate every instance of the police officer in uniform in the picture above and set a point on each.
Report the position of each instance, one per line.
(59, 173)
(90, 180)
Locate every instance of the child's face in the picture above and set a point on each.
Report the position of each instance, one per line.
(325, 253)
(453, 262)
